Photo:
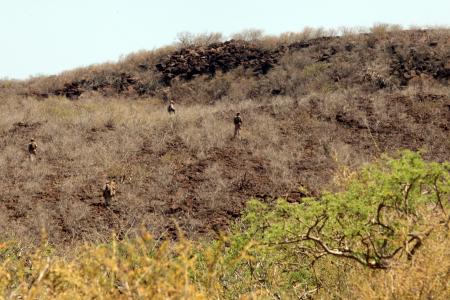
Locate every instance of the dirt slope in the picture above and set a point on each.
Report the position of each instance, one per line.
(309, 108)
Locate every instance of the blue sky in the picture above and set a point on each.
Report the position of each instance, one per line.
(49, 36)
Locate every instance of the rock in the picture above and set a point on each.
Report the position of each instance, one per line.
(190, 62)
(417, 63)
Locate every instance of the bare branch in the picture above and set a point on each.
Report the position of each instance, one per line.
(339, 253)
(406, 191)
(378, 218)
(438, 195)
(419, 241)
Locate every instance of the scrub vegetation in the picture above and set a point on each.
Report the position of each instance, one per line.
(385, 235)
(338, 188)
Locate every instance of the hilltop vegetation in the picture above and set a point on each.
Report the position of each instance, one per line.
(205, 69)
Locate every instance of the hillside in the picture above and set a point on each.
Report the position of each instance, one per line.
(312, 107)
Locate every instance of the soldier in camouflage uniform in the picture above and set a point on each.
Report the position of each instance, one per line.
(237, 125)
(109, 191)
(171, 108)
(32, 149)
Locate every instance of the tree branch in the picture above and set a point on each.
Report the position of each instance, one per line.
(438, 195)
(339, 253)
(419, 242)
(378, 218)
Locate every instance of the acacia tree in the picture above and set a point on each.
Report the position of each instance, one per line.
(386, 212)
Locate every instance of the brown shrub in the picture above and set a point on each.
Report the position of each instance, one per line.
(313, 112)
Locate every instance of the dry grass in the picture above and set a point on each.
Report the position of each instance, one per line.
(311, 113)
(81, 144)
(241, 264)
(426, 276)
(363, 61)
(188, 163)
(307, 125)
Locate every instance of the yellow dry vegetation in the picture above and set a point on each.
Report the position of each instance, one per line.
(144, 268)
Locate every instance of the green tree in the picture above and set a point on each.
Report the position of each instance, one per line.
(383, 215)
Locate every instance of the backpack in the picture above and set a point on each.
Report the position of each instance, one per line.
(32, 147)
(108, 191)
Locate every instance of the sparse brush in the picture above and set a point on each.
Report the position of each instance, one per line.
(326, 105)
(282, 250)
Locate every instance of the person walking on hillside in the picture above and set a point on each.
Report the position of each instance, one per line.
(32, 149)
(109, 191)
(171, 108)
(237, 125)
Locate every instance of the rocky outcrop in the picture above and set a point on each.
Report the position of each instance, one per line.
(118, 83)
(383, 63)
(417, 62)
(193, 61)
(188, 63)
